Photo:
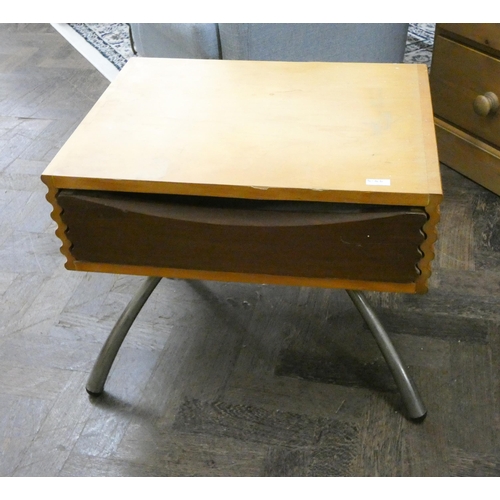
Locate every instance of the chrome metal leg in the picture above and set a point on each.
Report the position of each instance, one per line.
(411, 398)
(102, 366)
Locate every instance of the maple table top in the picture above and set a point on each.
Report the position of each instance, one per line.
(340, 132)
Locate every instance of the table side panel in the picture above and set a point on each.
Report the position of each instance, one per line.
(427, 248)
(188, 274)
(246, 192)
(61, 229)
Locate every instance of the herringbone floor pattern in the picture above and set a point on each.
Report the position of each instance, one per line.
(226, 379)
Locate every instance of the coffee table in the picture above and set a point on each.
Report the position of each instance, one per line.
(308, 174)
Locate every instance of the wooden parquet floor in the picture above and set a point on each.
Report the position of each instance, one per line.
(222, 379)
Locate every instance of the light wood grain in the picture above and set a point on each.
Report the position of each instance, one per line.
(304, 131)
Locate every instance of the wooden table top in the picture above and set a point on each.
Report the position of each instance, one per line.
(340, 132)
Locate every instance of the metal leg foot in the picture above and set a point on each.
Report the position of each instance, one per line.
(102, 366)
(411, 398)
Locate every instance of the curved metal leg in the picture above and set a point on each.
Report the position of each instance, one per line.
(411, 398)
(102, 366)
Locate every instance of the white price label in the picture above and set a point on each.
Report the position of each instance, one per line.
(378, 182)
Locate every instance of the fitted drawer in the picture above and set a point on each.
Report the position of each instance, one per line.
(460, 74)
(312, 240)
(469, 156)
(486, 35)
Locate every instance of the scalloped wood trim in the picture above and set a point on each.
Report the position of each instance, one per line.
(427, 248)
(62, 229)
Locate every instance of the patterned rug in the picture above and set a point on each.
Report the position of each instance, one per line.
(112, 40)
(419, 43)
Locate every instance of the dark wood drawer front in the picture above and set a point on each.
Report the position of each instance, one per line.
(459, 75)
(487, 35)
(317, 240)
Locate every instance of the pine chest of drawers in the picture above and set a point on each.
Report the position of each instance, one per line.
(465, 89)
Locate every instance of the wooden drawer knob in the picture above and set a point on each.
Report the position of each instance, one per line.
(486, 104)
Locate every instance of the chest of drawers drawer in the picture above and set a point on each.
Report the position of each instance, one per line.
(465, 90)
(460, 80)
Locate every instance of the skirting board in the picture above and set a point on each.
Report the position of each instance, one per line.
(106, 68)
